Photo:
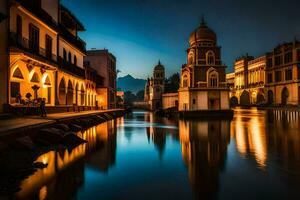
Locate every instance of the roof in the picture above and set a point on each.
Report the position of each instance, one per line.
(80, 26)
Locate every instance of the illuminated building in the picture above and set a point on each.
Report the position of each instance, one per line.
(44, 57)
(154, 88)
(283, 74)
(247, 81)
(105, 64)
(203, 84)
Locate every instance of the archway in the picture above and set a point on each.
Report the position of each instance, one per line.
(245, 98)
(82, 93)
(260, 99)
(76, 94)
(284, 96)
(234, 101)
(70, 93)
(270, 97)
(62, 92)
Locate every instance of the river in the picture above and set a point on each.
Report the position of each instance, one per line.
(254, 156)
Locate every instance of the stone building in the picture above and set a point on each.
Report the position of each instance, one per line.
(154, 88)
(44, 56)
(283, 74)
(104, 63)
(203, 79)
(247, 81)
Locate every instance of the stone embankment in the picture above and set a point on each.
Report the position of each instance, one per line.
(18, 154)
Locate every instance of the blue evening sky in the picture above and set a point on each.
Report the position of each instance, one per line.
(140, 32)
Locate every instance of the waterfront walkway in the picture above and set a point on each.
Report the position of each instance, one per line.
(28, 122)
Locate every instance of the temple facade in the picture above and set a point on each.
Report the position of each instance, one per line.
(203, 79)
(154, 88)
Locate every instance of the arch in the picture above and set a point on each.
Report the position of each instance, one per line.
(35, 78)
(245, 98)
(47, 81)
(191, 57)
(62, 92)
(210, 58)
(284, 96)
(64, 54)
(69, 57)
(260, 98)
(234, 101)
(76, 93)
(270, 97)
(212, 77)
(18, 74)
(75, 60)
(82, 93)
(70, 94)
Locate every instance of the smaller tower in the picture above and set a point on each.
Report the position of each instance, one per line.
(158, 86)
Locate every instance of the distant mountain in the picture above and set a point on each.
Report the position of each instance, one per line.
(129, 83)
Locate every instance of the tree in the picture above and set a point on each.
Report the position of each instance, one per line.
(140, 95)
(129, 98)
(172, 83)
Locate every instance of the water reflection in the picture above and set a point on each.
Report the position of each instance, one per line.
(146, 157)
(67, 166)
(204, 148)
(248, 129)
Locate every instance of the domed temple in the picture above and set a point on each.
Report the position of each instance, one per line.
(203, 79)
(154, 88)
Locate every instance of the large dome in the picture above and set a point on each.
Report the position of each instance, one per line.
(203, 33)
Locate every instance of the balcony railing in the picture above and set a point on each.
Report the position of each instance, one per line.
(26, 45)
(70, 67)
(76, 41)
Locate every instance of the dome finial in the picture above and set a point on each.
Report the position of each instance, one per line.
(159, 62)
(203, 22)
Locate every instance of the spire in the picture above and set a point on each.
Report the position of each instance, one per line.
(203, 22)
(159, 62)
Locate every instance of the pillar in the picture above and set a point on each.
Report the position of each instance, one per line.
(4, 54)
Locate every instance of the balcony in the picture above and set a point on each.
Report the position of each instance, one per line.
(70, 67)
(25, 45)
(76, 41)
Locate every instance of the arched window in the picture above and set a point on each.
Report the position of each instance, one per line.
(65, 54)
(210, 58)
(213, 79)
(185, 81)
(18, 74)
(75, 60)
(191, 58)
(35, 78)
(70, 57)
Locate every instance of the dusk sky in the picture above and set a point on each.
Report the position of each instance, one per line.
(140, 32)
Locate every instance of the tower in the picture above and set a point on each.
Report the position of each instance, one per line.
(203, 78)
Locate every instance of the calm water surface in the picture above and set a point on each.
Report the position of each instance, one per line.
(140, 156)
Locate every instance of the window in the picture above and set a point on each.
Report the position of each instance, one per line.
(288, 57)
(70, 57)
(75, 60)
(298, 54)
(269, 62)
(19, 28)
(213, 79)
(34, 35)
(278, 76)
(14, 89)
(48, 47)
(288, 74)
(278, 60)
(65, 54)
(194, 101)
(210, 58)
(185, 81)
(270, 77)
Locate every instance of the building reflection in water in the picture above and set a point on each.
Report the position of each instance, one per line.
(204, 149)
(248, 130)
(47, 183)
(158, 130)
